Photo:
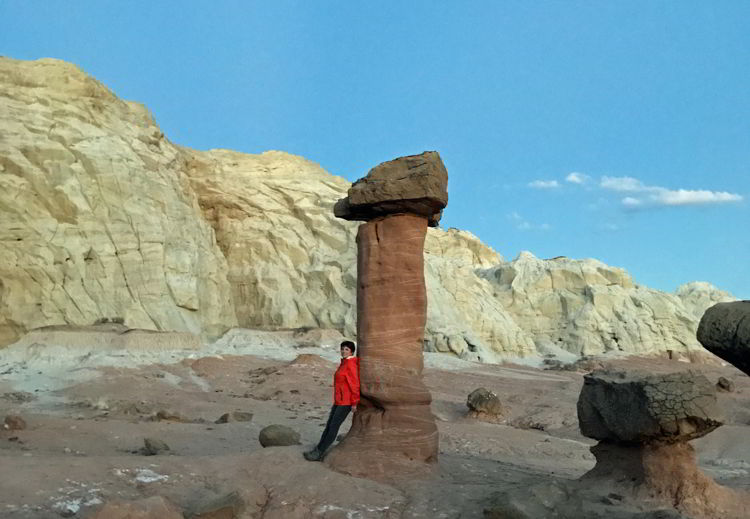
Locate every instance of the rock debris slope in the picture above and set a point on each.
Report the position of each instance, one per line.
(101, 216)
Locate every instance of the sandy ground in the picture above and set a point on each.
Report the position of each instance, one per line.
(89, 410)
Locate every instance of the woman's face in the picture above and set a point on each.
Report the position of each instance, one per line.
(345, 352)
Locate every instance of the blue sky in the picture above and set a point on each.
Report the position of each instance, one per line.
(643, 106)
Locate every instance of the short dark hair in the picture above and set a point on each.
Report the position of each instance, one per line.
(350, 345)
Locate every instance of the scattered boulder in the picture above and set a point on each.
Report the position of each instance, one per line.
(153, 446)
(415, 184)
(278, 436)
(485, 405)
(234, 416)
(725, 384)
(14, 423)
(155, 507)
(724, 330)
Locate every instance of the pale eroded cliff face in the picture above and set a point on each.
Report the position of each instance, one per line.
(101, 217)
(97, 218)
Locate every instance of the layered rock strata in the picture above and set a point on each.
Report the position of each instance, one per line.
(394, 425)
(97, 217)
(643, 423)
(724, 330)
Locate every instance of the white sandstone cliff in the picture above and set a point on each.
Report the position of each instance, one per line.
(102, 217)
(97, 219)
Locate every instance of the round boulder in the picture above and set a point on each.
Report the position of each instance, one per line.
(485, 405)
(724, 330)
(278, 436)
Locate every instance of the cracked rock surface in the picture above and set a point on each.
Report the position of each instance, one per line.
(638, 407)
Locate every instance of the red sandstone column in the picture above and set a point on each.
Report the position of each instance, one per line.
(394, 424)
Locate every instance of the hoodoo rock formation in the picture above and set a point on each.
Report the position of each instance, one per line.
(643, 423)
(394, 426)
(724, 330)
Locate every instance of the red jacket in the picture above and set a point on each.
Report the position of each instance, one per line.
(346, 382)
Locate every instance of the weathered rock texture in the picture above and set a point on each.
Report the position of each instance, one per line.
(641, 408)
(101, 216)
(644, 423)
(588, 307)
(97, 216)
(665, 473)
(394, 424)
(725, 331)
(416, 184)
(485, 405)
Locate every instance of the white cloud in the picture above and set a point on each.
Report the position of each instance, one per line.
(544, 184)
(628, 184)
(644, 196)
(690, 197)
(577, 178)
(631, 202)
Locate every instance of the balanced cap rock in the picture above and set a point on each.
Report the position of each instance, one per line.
(416, 184)
(394, 426)
(644, 422)
(637, 408)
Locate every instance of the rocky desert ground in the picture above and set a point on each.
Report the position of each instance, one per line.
(96, 421)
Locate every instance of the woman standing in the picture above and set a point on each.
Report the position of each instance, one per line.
(345, 399)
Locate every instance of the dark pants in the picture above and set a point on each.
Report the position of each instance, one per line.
(335, 419)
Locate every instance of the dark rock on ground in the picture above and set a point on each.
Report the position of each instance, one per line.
(485, 405)
(153, 446)
(278, 436)
(14, 423)
(234, 416)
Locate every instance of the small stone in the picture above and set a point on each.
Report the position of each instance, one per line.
(14, 423)
(242, 416)
(485, 405)
(153, 446)
(725, 384)
(234, 416)
(278, 436)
